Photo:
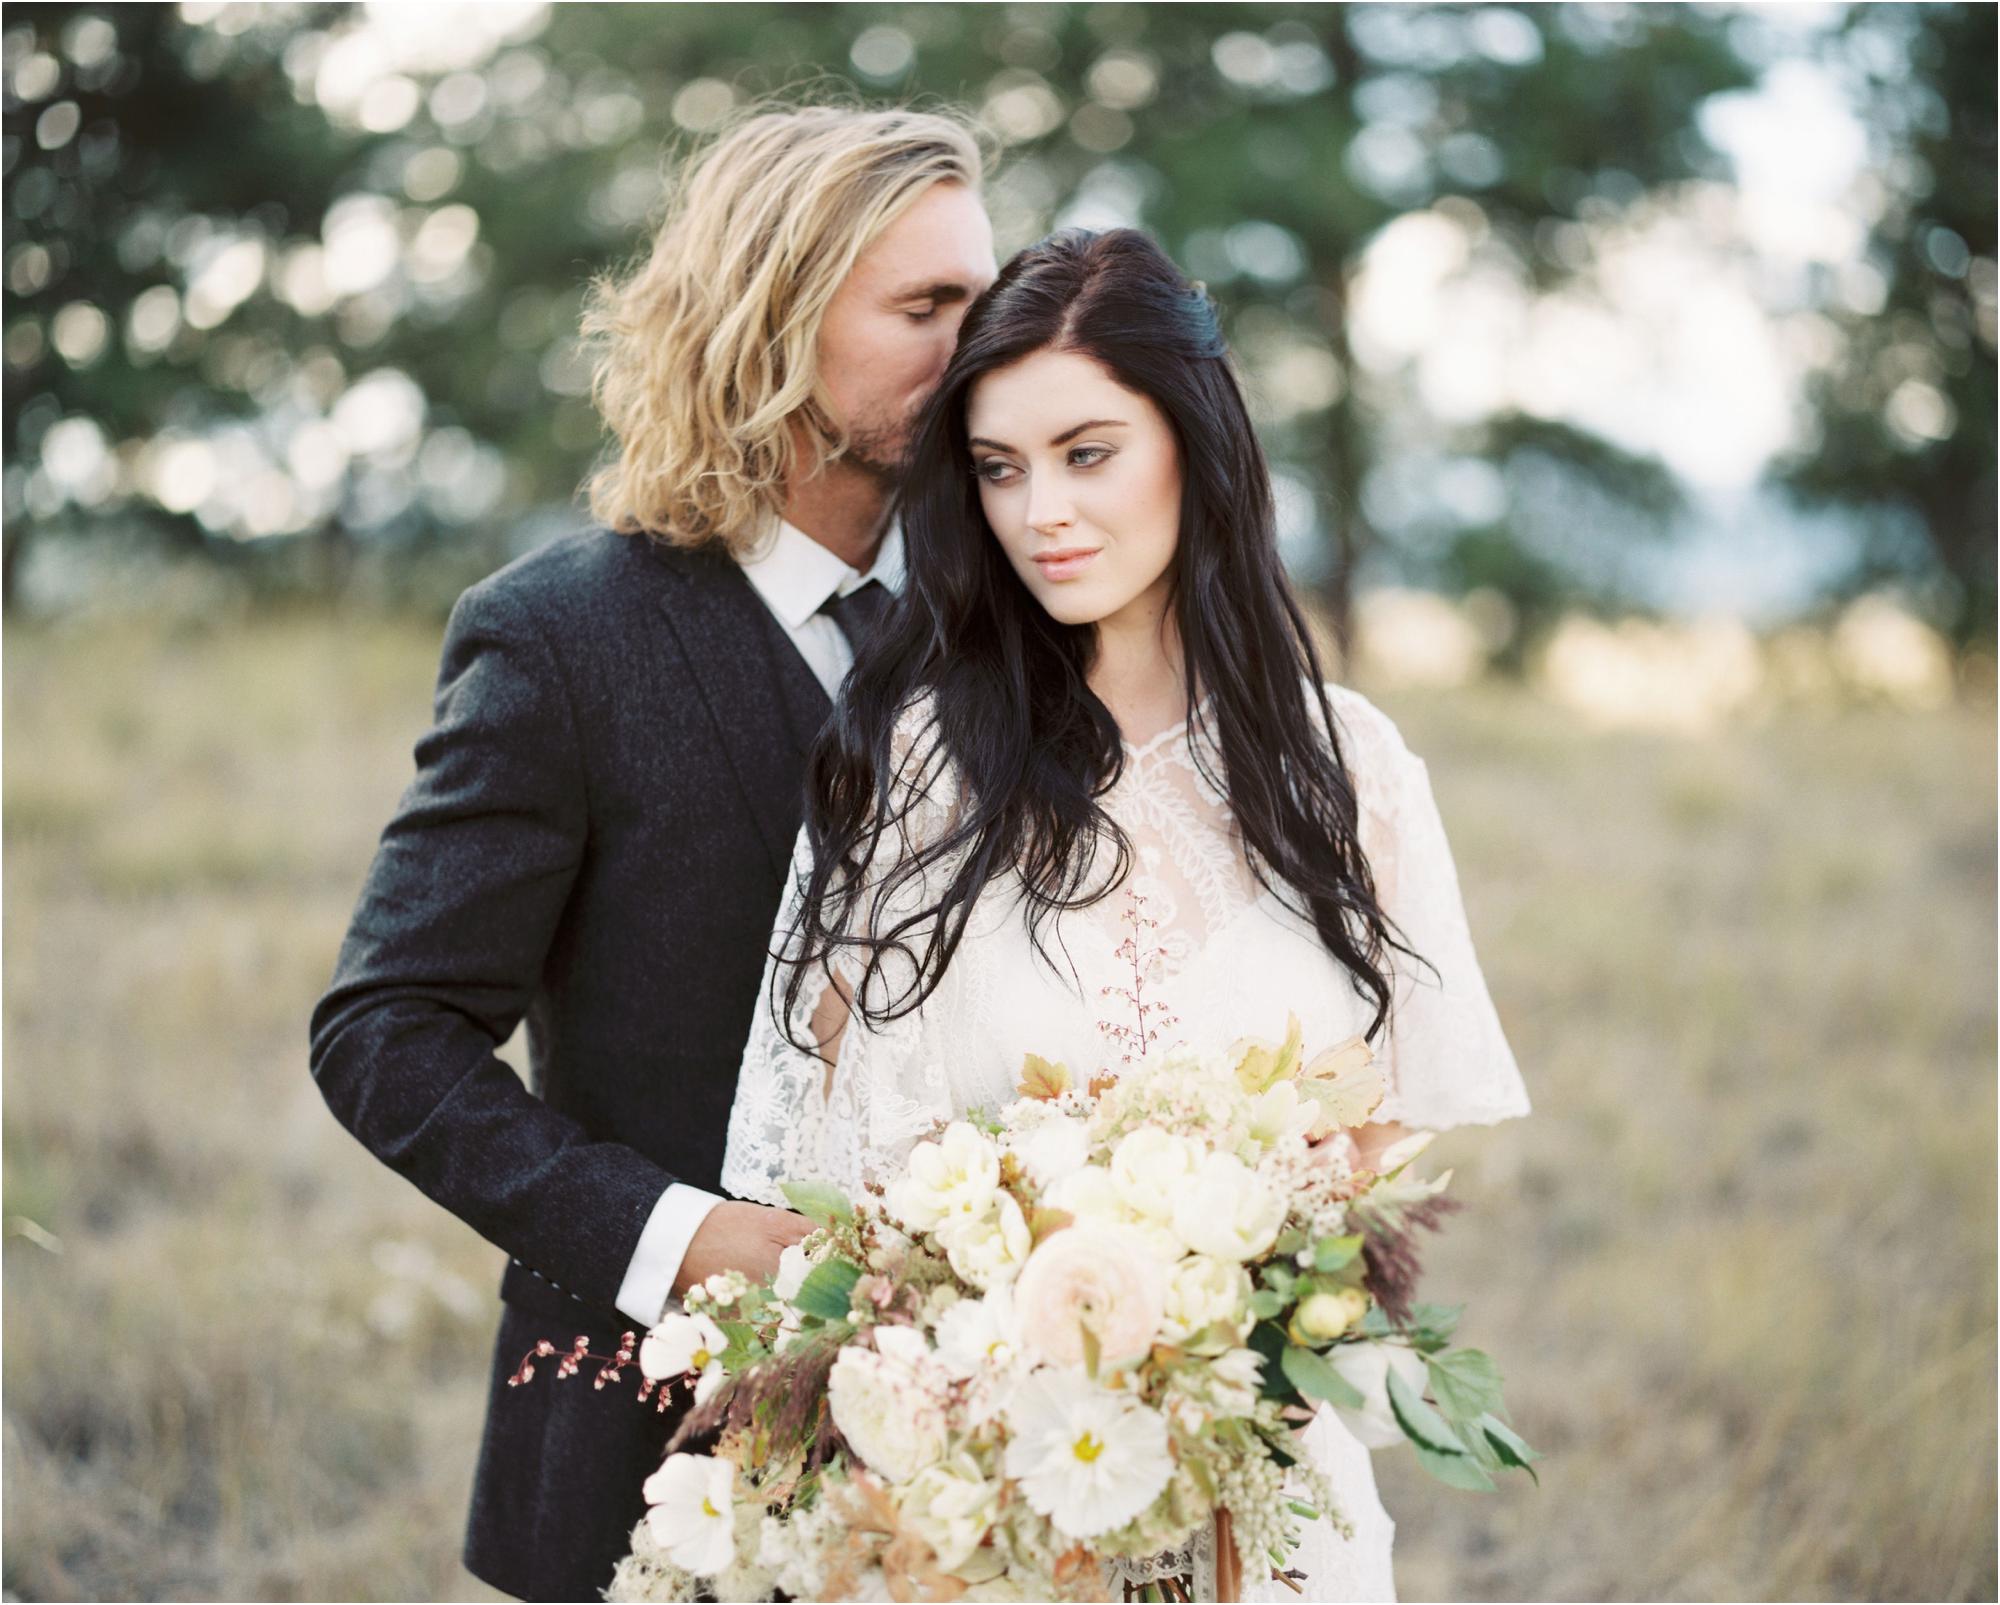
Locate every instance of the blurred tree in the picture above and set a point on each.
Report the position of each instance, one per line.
(1903, 415)
(300, 282)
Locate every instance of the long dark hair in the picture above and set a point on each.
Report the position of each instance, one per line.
(1032, 747)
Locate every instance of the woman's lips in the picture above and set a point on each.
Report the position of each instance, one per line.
(1066, 563)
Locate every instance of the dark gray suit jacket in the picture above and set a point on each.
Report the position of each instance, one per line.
(596, 840)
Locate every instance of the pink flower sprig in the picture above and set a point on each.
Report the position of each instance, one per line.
(1148, 1018)
(610, 1368)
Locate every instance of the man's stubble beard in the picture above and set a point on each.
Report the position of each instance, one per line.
(880, 448)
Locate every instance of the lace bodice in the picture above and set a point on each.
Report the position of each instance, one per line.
(1215, 957)
(1221, 959)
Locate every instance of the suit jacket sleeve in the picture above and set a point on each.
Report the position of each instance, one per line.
(445, 952)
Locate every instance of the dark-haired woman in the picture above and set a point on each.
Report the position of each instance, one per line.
(1095, 713)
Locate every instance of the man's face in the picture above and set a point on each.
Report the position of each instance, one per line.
(891, 326)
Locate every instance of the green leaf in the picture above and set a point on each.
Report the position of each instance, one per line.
(1266, 1305)
(1421, 1424)
(1335, 1253)
(1465, 1383)
(1269, 1340)
(1093, 1351)
(1316, 1379)
(1509, 1445)
(828, 1290)
(820, 1201)
(1454, 1470)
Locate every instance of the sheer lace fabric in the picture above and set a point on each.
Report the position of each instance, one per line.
(1221, 959)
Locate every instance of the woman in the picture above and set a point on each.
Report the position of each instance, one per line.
(1095, 712)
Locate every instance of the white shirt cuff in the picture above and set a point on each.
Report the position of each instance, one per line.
(649, 1278)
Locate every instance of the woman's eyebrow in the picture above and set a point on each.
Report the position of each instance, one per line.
(1066, 436)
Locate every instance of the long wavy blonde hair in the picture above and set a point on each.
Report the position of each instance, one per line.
(706, 348)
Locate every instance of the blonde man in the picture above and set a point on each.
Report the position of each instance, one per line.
(603, 812)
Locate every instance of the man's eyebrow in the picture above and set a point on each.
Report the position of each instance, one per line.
(941, 290)
(1064, 438)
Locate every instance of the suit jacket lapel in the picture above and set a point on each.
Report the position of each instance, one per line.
(764, 716)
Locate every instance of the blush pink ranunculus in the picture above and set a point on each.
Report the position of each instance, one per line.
(1096, 1274)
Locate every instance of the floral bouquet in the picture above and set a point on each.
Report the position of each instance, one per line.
(1065, 1352)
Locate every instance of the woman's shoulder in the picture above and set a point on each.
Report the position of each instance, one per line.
(1372, 748)
(1360, 725)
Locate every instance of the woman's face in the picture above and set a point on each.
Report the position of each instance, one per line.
(1080, 479)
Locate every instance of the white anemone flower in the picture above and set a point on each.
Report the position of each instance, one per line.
(685, 1345)
(692, 1513)
(1085, 1457)
(978, 1334)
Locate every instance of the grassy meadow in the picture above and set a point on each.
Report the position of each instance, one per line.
(1739, 1269)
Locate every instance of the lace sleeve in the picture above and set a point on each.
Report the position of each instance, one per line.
(1446, 1058)
(796, 1115)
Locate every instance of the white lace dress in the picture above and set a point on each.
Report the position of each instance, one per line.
(1227, 958)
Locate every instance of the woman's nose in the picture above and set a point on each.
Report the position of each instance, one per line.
(1049, 508)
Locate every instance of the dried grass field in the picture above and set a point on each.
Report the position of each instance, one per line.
(1739, 1269)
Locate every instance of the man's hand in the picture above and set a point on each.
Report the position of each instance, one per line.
(739, 1237)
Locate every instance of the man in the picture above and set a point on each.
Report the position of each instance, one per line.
(604, 810)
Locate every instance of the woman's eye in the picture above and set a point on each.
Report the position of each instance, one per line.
(1088, 456)
(993, 471)
(921, 314)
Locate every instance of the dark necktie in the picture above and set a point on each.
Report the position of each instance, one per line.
(858, 612)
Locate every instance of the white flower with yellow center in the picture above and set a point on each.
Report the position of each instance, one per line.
(1085, 1457)
(1227, 1210)
(951, 1179)
(685, 1345)
(691, 1512)
(979, 1334)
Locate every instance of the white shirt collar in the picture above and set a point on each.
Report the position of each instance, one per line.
(795, 574)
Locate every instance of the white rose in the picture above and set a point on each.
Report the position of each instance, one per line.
(1053, 1147)
(1205, 1292)
(989, 1250)
(903, 1344)
(1226, 1210)
(952, 1178)
(886, 1414)
(1148, 1170)
(1365, 1367)
(950, 1506)
(1092, 1197)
